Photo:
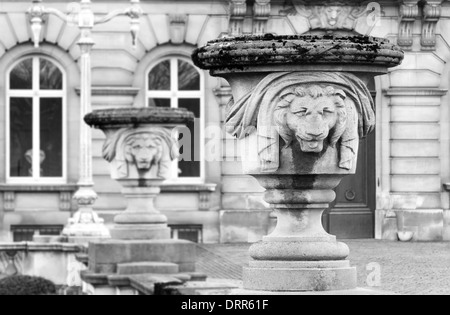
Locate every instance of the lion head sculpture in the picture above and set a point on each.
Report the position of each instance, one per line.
(143, 153)
(310, 114)
(143, 150)
(319, 110)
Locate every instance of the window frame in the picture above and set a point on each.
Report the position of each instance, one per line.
(36, 94)
(174, 95)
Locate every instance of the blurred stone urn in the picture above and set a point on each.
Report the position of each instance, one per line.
(140, 146)
(300, 106)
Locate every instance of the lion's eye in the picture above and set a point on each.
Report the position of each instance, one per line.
(328, 110)
(301, 111)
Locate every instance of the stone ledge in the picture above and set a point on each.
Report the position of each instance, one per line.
(38, 188)
(112, 91)
(37, 247)
(415, 92)
(354, 292)
(174, 187)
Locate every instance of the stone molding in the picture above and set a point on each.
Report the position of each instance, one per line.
(204, 191)
(65, 194)
(415, 92)
(112, 91)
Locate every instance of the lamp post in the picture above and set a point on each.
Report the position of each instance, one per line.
(85, 222)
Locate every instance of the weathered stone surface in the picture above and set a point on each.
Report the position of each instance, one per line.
(238, 53)
(147, 267)
(113, 252)
(293, 279)
(299, 250)
(140, 231)
(237, 226)
(126, 117)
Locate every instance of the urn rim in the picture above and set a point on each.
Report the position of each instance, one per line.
(248, 53)
(138, 116)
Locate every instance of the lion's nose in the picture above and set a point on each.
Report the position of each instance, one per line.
(314, 133)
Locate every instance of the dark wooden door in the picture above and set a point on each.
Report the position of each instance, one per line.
(352, 215)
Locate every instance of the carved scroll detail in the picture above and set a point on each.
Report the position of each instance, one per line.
(238, 10)
(408, 13)
(431, 15)
(261, 14)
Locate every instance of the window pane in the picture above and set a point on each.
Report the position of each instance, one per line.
(21, 77)
(159, 102)
(51, 77)
(51, 117)
(21, 137)
(188, 77)
(191, 168)
(159, 77)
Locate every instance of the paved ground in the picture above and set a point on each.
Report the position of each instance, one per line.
(406, 268)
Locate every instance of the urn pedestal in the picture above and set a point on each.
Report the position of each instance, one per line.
(140, 146)
(141, 220)
(300, 106)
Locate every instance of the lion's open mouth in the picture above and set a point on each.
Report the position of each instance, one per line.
(311, 146)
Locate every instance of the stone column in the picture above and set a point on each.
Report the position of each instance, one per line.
(141, 146)
(300, 107)
(85, 225)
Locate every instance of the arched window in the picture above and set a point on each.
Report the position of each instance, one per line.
(35, 121)
(176, 83)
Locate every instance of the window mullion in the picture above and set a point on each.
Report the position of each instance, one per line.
(174, 81)
(36, 123)
(36, 138)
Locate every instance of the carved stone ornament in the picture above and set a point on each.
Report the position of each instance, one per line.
(332, 15)
(11, 263)
(314, 109)
(408, 14)
(140, 142)
(431, 15)
(141, 153)
(177, 24)
(238, 11)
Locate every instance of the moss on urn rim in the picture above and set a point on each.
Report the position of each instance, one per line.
(239, 53)
(137, 116)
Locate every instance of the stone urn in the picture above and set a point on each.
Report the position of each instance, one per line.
(141, 145)
(300, 106)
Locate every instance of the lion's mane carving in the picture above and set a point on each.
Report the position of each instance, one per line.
(308, 107)
(141, 153)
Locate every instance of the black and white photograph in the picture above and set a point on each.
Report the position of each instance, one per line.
(224, 154)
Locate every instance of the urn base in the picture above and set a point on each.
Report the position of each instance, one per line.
(294, 276)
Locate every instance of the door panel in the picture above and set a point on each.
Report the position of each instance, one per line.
(352, 215)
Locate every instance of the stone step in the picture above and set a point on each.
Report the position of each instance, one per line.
(197, 287)
(147, 268)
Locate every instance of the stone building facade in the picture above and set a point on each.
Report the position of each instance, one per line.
(401, 185)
